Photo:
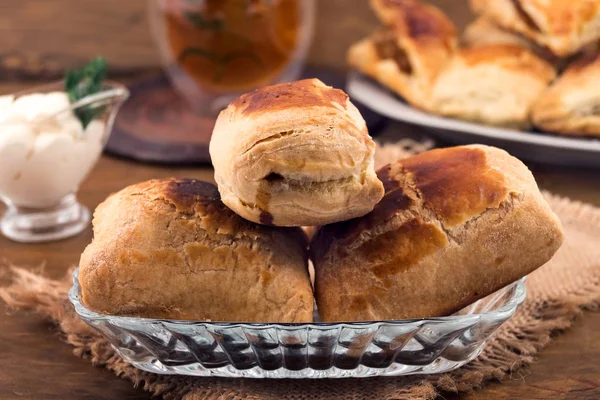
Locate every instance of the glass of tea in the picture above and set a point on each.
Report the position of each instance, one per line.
(215, 50)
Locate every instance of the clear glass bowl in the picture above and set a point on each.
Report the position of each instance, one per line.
(39, 180)
(315, 350)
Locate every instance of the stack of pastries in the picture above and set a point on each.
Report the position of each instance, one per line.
(521, 64)
(422, 237)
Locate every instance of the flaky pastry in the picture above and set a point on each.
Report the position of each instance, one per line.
(492, 84)
(407, 55)
(563, 26)
(295, 154)
(571, 105)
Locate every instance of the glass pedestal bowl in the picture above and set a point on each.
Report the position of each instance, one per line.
(44, 159)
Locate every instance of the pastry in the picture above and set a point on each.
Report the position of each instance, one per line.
(408, 54)
(170, 249)
(455, 225)
(484, 32)
(564, 27)
(571, 105)
(492, 84)
(295, 154)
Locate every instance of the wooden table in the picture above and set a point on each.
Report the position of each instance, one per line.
(35, 364)
(40, 38)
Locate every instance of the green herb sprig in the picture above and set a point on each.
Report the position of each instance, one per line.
(85, 82)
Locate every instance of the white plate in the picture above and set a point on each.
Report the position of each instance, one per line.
(532, 146)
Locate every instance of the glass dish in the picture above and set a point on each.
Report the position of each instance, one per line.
(314, 350)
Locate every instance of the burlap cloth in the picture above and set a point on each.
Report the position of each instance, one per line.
(557, 293)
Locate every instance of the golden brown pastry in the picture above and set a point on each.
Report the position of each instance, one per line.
(571, 105)
(484, 32)
(563, 26)
(170, 249)
(295, 154)
(409, 53)
(455, 225)
(492, 84)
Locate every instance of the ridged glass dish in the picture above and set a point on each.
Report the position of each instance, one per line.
(314, 350)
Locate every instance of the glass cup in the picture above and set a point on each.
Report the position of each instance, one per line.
(215, 50)
(44, 160)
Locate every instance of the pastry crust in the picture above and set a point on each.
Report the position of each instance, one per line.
(170, 249)
(455, 225)
(562, 26)
(492, 84)
(406, 56)
(482, 31)
(571, 105)
(295, 154)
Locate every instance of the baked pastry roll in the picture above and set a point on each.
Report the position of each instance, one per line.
(562, 26)
(571, 105)
(295, 154)
(484, 32)
(406, 56)
(492, 84)
(170, 249)
(455, 225)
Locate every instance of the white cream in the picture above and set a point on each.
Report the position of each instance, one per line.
(44, 152)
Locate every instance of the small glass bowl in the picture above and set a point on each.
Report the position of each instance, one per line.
(41, 201)
(310, 350)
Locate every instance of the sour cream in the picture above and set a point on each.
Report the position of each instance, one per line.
(44, 151)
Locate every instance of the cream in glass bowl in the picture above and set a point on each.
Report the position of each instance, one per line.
(45, 154)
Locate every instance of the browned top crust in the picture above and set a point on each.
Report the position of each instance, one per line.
(454, 184)
(169, 248)
(454, 225)
(562, 26)
(298, 94)
(416, 20)
(514, 58)
(571, 104)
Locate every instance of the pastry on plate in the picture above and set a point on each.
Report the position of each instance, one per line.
(571, 105)
(564, 27)
(484, 32)
(170, 249)
(455, 225)
(295, 154)
(407, 55)
(491, 84)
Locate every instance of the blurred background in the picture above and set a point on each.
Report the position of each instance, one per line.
(48, 36)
